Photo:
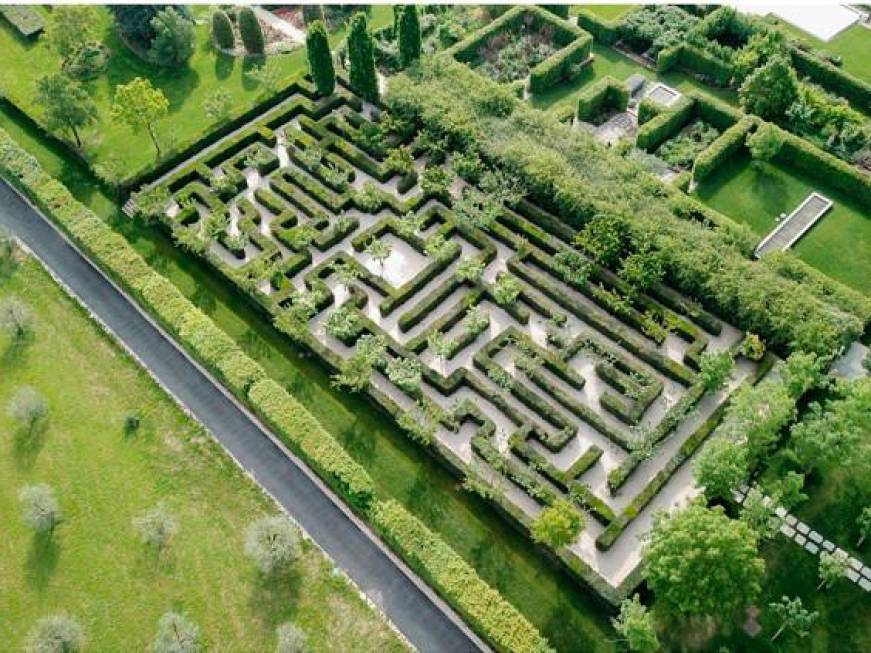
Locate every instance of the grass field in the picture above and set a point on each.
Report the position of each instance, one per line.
(852, 44)
(608, 61)
(95, 568)
(608, 12)
(24, 62)
(837, 245)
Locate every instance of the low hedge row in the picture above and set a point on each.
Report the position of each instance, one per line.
(500, 623)
(833, 79)
(696, 60)
(505, 628)
(606, 93)
(726, 144)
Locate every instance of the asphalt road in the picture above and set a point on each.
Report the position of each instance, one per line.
(428, 623)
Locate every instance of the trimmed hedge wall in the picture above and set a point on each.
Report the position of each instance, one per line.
(695, 60)
(726, 144)
(562, 66)
(659, 129)
(604, 31)
(504, 627)
(605, 93)
(833, 79)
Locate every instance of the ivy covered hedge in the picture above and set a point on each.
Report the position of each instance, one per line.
(505, 628)
(603, 31)
(606, 93)
(718, 152)
(832, 78)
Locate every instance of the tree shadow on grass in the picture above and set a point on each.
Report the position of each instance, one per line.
(274, 597)
(28, 442)
(770, 188)
(153, 562)
(254, 344)
(420, 501)
(249, 64)
(359, 442)
(224, 66)
(42, 559)
(205, 300)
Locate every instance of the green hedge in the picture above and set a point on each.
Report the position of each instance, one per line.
(502, 625)
(659, 129)
(604, 31)
(606, 93)
(797, 153)
(562, 66)
(722, 148)
(833, 79)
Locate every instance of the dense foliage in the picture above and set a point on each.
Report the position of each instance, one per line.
(320, 59)
(364, 79)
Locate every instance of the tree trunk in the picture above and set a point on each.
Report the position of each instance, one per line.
(861, 541)
(76, 136)
(820, 586)
(779, 630)
(154, 139)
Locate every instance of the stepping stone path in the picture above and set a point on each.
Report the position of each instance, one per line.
(813, 542)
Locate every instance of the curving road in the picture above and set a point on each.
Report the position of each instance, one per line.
(422, 617)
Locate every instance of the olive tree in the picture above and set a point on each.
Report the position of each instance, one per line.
(156, 527)
(28, 408)
(634, 624)
(558, 524)
(290, 638)
(16, 320)
(176, 634)
(793, 616)
(272, 543)
(55, 634)
(40, 507)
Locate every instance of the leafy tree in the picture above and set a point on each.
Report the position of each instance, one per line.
(439, 344)
(217, 106)
(721, 467)
(346, 274)
(134, 23)
(765, 142)
(16, 319)
(435, 180)
(469, 269)
(344, 322)
(699, 562)
(404, 373)
(793, 616)
(558, 524)
(642, 270)
(55, 634)
(139, 105)
(174, 38)
(151, 203)
(409, 224)
(357, 371)
(826, 436)
(222, 30)
(438, 247)
(379, 249)
(290, 639)
(634, 624)
(176, 634)
(476, 210)
(864, 524)
(506, 289)
(8, 249)
(801, 372)
(40, 508)
(70, 27)
(251, 32)
(65, 104)
(833, 567)
(476, 319)
(714, 369)
(752, 347)
(760, 514)
(770, 90)
(605, 238)
(409, 35)
(788, 490)
(268, 75)
(364, 79)
(756, 415)
(320, 59)
(272, 543)
(27, 407)
(156, 527)
(400, 160)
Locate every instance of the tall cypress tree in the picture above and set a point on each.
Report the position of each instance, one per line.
(409, 35)
(363, 78)
(320, 61)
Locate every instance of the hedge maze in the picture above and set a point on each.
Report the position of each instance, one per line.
(531, 371)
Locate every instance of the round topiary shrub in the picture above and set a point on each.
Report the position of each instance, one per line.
(87, 62)
(251, 31)
(222, 31)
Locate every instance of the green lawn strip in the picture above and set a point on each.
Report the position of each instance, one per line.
(608, 61)
(852, 44)
(564, 612)
(96, 569)
(609, 12)
(186, 90)
(838, 244)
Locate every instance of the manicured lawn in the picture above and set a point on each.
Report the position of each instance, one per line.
(839, 243)
(852, 44)
(610, 62)
(609, 12)
(24, 62)
(95, 568)
(566, 613)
